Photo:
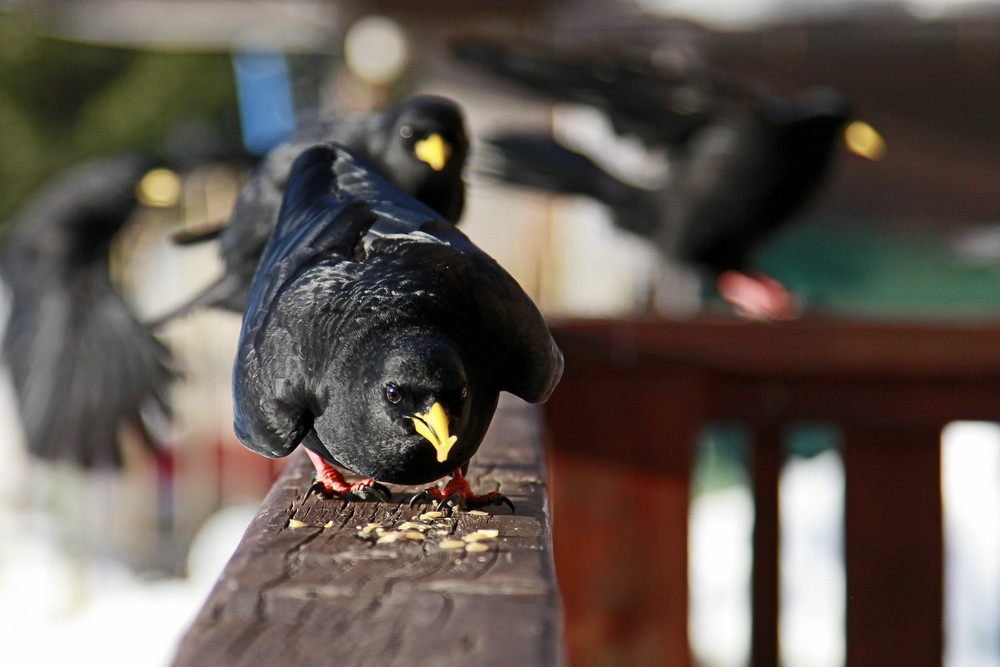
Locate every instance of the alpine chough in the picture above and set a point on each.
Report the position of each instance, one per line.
(81, 364)
(741, 161)
(379, 336)
(420, 146)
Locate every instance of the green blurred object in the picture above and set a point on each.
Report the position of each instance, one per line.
(721, 457)
(867, 268)
(807, 439)
(62, 102)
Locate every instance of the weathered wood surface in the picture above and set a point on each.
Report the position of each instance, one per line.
(320, 594)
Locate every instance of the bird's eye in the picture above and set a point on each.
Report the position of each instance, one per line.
(465, 392)
(392, 393)
(406, 131)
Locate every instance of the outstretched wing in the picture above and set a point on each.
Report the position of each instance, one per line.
(659, 106)
(81, 363)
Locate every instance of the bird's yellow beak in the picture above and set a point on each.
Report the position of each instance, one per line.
(434, 426)
(864, 140)
(433, 150)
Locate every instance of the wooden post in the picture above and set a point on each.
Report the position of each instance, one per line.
(767, 461)
(621, 464)
(893, 543)
(304, 589)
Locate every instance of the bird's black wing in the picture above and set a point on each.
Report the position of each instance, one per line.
(658, 106)
(332, 201)
(81, 364)
(538, 161)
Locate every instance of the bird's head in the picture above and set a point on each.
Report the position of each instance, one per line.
(828, 112)
(424, 389)
(412, 410)
(430, 134)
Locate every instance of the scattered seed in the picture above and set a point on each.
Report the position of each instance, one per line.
(482, 535)
(478, 513)
(328, 524)
(476, 547)
(389, 537)
(409, 525)
(413, 535)
(371, 527)
(426, 516)
(295, 523)
(452, 544)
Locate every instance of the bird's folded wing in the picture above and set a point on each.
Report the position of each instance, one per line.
(314, 218)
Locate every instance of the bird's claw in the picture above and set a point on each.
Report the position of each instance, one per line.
(314, 485)
(364, 490)
(453, 499)
(460, 500)
(373, 491)
(487, 499)
(421, 497)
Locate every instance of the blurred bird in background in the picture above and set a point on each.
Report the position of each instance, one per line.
(82, 365)
(420, 145)
(741, 161)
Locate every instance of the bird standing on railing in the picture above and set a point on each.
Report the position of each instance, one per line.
(419, 145)
(742, 161)
(380, 337)
(81, 363)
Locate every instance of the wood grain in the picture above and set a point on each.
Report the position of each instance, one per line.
(320, 594)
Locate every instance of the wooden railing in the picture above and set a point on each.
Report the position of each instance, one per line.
(623, 423)
(315, 582)
(304, 588)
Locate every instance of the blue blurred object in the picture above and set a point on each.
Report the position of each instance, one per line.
(266, 110)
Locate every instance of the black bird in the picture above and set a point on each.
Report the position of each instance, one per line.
(81, 364)
(420, 146)
(741, 161)
(379, 336)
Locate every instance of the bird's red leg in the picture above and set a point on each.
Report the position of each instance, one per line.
(330, 480)
(758, 296)
(458, 492)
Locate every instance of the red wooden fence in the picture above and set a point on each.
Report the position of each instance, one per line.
(623, 424)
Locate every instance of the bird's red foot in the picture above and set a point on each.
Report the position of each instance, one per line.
(458, 493)
(758, 296)
(328, 480)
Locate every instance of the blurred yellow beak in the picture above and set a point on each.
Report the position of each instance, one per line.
(434, 426)
(864, 140)
(433, 150)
